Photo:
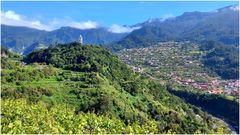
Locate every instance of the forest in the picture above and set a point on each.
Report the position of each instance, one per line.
(70, 88)
(221, 59)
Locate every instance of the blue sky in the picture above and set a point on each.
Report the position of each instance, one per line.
(51, 15)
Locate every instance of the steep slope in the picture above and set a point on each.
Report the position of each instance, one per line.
(105, 85)
(23, 40)
(221, 25)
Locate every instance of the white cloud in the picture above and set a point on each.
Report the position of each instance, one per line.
(167, 16)
(121, 29)
(11, 15)
(11, 18)
(84, 25)
(57, 23)
(234, 8)
(162, 19)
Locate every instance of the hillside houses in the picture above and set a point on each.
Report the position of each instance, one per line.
(228, 87)
(180, 63)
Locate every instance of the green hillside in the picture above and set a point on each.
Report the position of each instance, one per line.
(222, 59)
(73, 88)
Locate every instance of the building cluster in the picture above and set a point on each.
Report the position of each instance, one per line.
(215, 86)
(179, 62)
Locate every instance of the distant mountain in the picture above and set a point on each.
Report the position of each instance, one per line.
(24, 40)
(221, 25)
(18, 39)
(91, 36)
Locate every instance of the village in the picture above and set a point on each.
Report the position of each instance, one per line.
(216, 86)
(178, 64)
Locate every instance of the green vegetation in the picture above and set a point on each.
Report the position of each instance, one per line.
(217, 105)
(188, 66)
(6, 53)
(85, 89)
(222, 59)
(20, 117)
(178, 65)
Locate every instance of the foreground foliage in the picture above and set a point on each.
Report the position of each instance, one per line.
(19, 117)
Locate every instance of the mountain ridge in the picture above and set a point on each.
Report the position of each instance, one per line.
(194, 26)
(221, 26)
(19, 38)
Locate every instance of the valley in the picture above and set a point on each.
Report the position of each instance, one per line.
(122, 67)
(179, 66)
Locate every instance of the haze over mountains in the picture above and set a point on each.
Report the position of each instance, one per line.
(220, 25)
